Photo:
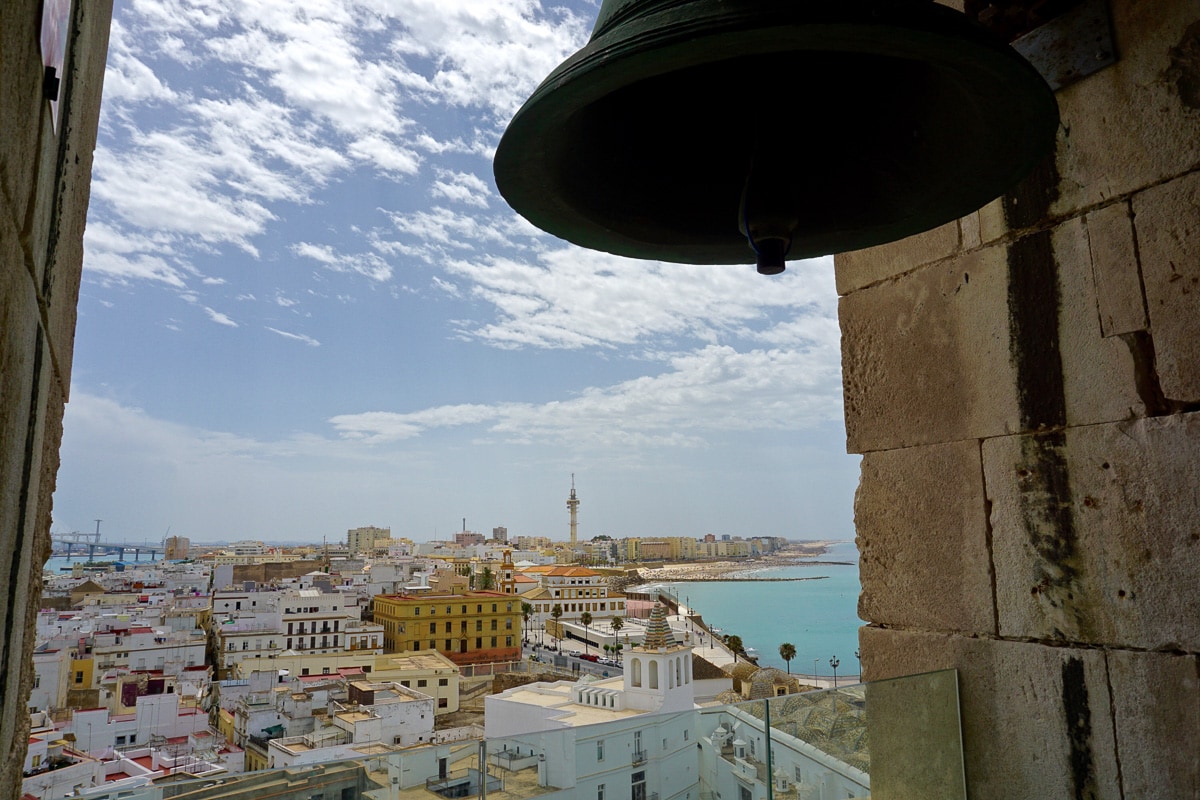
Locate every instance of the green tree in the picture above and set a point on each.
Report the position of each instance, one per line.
(585, 619)
(734, 642)
(787, 651)
(556, 612)
(526, 613)
(486, 579)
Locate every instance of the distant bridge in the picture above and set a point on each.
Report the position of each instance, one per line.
(91, 542)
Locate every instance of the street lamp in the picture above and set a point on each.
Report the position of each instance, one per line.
(833, 662)
(815, 660)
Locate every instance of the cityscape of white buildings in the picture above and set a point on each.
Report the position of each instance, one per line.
(248, 657)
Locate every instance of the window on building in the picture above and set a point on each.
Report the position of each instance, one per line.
(405, 684)
(478, 643)
(443, 702)
(421, 683)
(494, 607)
(493, 641)
(508, 641)
(599, 749)
(433, 627)
(443, 681)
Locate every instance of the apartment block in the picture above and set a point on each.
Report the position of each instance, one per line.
(467, 627)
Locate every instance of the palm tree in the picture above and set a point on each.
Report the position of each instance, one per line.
(526, 613)
(735, 645)
(616, 623)
(585, 619)
(787, 651)
(556, 612)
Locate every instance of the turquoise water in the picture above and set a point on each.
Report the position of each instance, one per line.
(58, 563)
(819, 617)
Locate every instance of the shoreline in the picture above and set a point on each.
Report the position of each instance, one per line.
(798, 555)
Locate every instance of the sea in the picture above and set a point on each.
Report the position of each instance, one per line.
(61, 564)
(818, 617)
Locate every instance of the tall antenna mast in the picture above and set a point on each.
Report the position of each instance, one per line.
(573, 507)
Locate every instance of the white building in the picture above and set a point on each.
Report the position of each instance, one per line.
(374, 713)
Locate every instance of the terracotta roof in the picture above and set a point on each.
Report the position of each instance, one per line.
(703, 669)
(573, 572)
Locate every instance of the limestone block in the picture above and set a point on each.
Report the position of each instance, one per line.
(860, 268)
(1157, 712)
(1099, 382)
(992, 225)
(925, 358)
(1115, 270)
(1137, 122)
(1035, 719)
(61, 283)
(922, 539)
(1096, 533)
(1167, 219)
(20, 99)
(23, 386)
(969, 231)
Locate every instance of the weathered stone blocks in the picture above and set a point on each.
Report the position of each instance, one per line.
(1137, 122)
(1167, 220)
(922, 538)
(925, 359)
(1036, 720)
(861, 268)
(1115, 270)
(1099, 383)
(1096, 533)
(1156, 708)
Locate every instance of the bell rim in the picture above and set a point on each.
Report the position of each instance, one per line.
(605, 65)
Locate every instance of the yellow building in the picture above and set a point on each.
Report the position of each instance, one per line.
(83, 672)
(308, 663)
(466, 627)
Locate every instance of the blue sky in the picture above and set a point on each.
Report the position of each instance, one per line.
(305, 308)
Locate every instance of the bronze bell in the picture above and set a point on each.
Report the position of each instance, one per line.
(734, 131)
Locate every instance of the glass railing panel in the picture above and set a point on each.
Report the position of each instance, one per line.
(889, 739)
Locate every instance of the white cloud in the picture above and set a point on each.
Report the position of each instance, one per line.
(219, 318)
(461, 187)
(368, 265)
(571, 298)
(714, 389)
(299, 337)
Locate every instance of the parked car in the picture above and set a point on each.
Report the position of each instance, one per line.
(590, 657)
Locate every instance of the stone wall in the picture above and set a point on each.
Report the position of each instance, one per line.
(45, 175)
(1024, 386)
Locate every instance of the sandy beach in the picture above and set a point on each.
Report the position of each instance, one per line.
(741, 569)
